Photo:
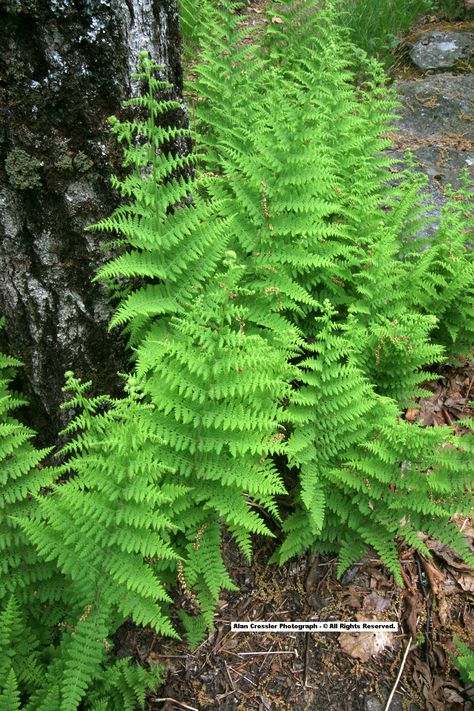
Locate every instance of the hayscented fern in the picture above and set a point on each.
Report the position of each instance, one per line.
(281, 313)
(64, 587)
(326, 231)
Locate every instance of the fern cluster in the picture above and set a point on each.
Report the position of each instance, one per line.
(300, 150)
(281, 308)
(74, 559)
(294, 177)
(465, 663)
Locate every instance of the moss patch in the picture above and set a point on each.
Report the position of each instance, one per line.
(23, 169)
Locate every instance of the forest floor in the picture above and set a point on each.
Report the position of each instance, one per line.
(345, 671)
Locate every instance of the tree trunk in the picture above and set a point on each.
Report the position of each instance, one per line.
(65, 69)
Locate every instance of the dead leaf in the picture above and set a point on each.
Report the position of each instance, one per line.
(411, 613)
(352, 598)
(435, 576)
(452, 697)
(448, 556)
(466, 582)
(364, 645)
(444, 609)
(412, 413)
(277, 20)
(375, 602)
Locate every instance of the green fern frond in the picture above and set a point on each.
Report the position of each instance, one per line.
(10, 695)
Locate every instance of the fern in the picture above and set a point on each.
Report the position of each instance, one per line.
(465, 662)
(177, 248)
(215, 385)
(57, 581)
(102, 523)
(123, 686)
(445, 270)
(59, 677)
(10, 696)
(317, 220)
(21, 476)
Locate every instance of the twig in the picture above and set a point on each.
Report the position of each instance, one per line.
(389, 700)
(406, 580)
(258, 654)
(469, 388)
(175, 701)
(462, 527)
(223, 696)
(447, 416)
(306, 661)
(312, 573)
(229, 676)
(243, 677)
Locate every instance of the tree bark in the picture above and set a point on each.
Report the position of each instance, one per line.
(65, 69)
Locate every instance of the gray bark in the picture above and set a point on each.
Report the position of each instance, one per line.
(64, 70)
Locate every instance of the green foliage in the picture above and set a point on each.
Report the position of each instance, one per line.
(175, 249)
(377, 25)
(334, 245)
(363, 471)
(110, 523)
(446, 270)
(67, 578)
(282, 308)
(465, 662)
(62, 677)
(214, 380)
(451, 9)
(21, 476)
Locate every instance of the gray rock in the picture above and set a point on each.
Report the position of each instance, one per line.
(443, 165)
(436, 123)
(373, 703)
(438, 105)
(441, 50)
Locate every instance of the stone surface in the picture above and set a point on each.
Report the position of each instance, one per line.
(442, 50)
(373, 703)
(438, 105)
(65, 69)
(436, 122)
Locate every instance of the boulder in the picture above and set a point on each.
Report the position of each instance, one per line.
(442, 50)
(438, 105)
